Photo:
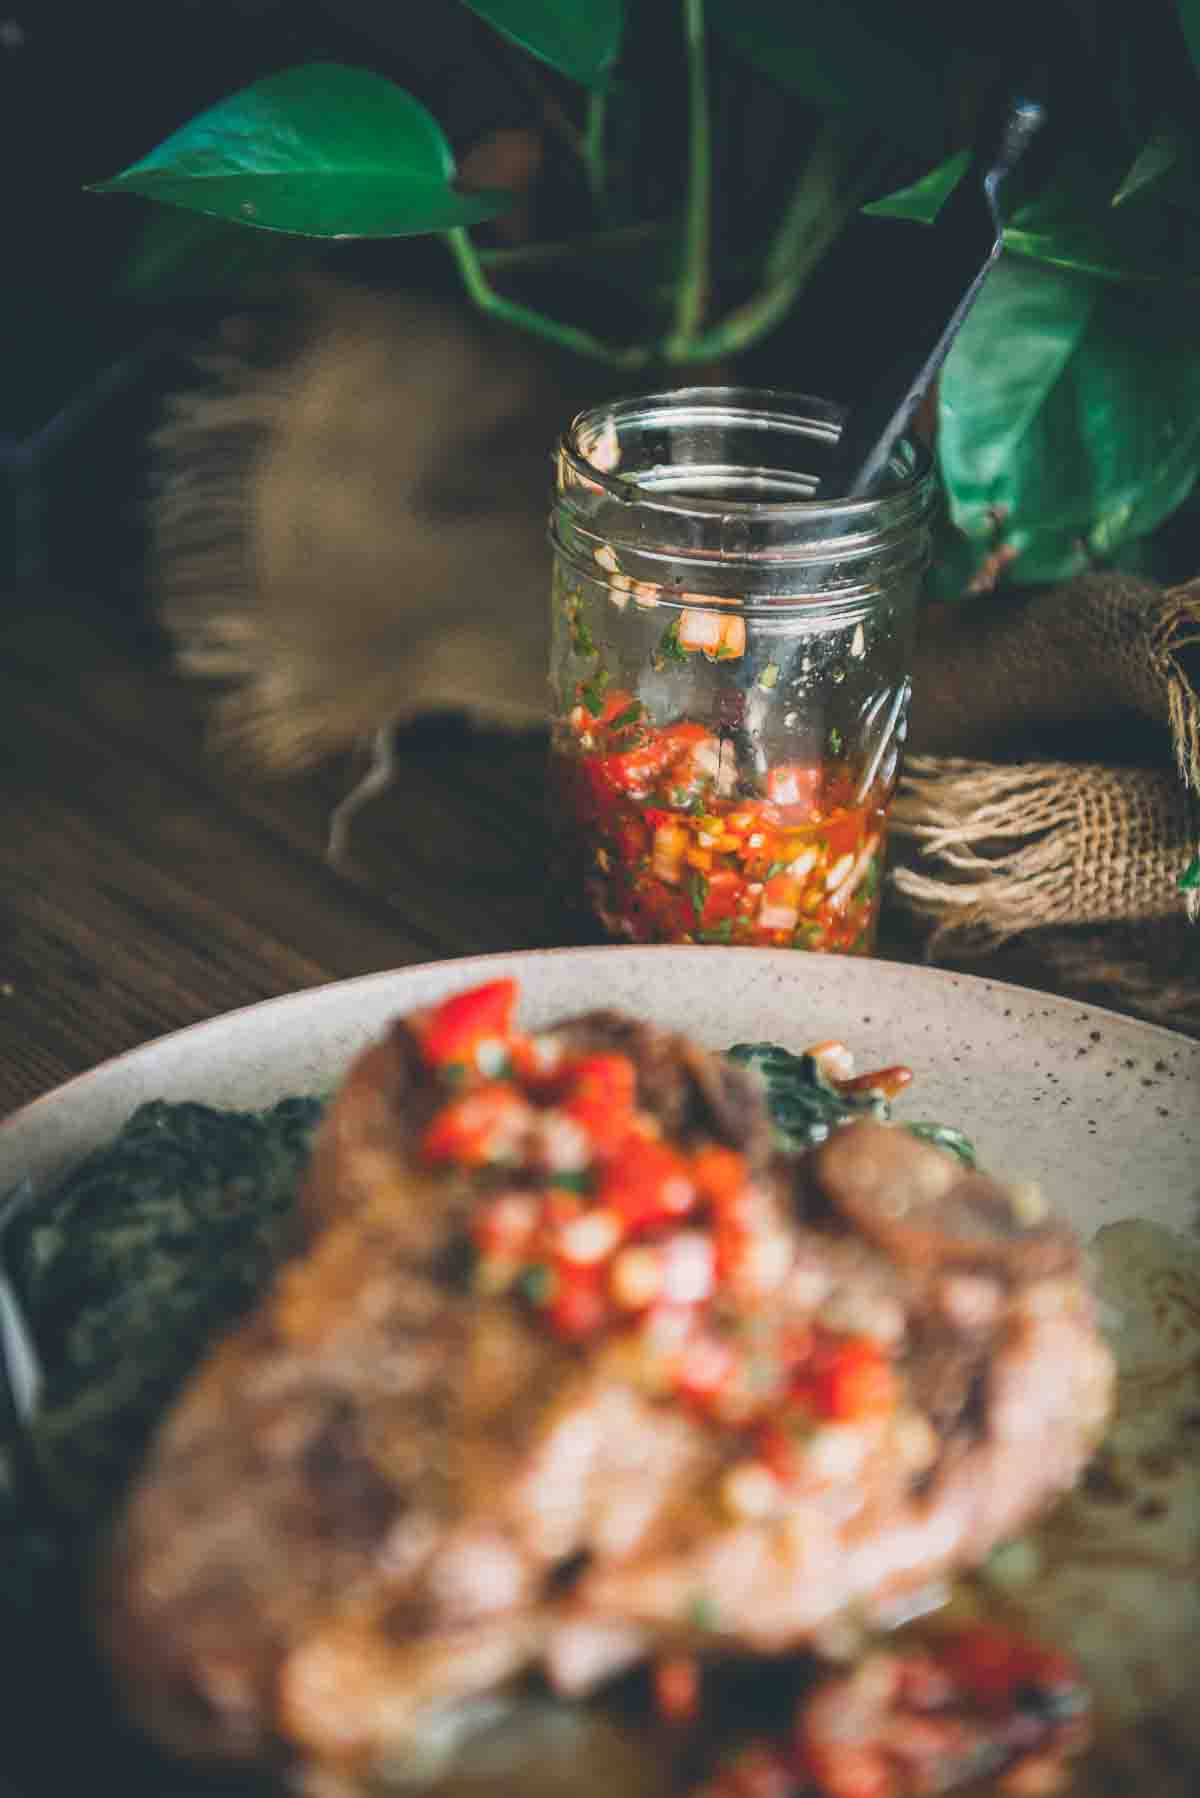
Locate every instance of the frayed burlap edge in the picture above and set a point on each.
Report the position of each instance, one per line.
(201, 506)
(1037, 844)
(1174, 643)
(1075, 867)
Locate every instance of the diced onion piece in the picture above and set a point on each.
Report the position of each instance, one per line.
(666, 856)
(590, 1238)
(778, 917)
(839, 871)
(700, 630)
(834, 1059)
(706, 1366)
(688, 1268)
(779, 908)
(636, 1278)
(750, 1491)
(836, 1452)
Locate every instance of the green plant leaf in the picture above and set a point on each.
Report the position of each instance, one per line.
(889, 61)
(1069, 418)
(1158, 155)
(579, 38)
(923, 199)
(322, 151)
(1072, 224)
(1189, 20)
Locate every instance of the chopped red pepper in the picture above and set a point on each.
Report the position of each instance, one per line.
(668, 853)
(579, 1309)
(993, 1664)
(846, 1378)
(677, 1688)
(454, 1031)
(886, 1081)
(647, 1183)
(720, 1175)
(723, 892)
(479, 1127)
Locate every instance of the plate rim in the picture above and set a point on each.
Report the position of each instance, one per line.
(280, 1002)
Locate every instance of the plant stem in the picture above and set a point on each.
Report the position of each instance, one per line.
(568, 337)
(593, 145)
(826, 195)
(823, 175)
(693, 288)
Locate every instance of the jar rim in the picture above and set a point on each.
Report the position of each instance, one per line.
(800, 414)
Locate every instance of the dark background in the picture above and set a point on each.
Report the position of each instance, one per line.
(85, 89)
(88, 89)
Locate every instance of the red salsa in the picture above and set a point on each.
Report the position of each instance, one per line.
(968, 1704)
(589, 1217)
(675, 851)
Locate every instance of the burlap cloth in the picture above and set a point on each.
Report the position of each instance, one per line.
(348, 529)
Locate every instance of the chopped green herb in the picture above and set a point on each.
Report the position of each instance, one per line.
(592, 692)
(1189, 880)
(669, 647)
(698, 893)
(769, 676)
(149, 1249)
(808, 936)
(580, 1182)
(944, 1136)
(775, 868)
(805, 1104)
(537, 1284)
(680, 800)
(835, 741)
(630, 715)
(582, 641)
(718, 933)
(701, 1611)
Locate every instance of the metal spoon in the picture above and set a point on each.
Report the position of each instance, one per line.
(870, 434)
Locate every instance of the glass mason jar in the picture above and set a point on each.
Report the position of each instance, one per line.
(730, 669)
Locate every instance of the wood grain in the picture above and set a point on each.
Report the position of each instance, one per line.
(149, 882)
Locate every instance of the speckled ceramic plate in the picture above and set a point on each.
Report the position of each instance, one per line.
(1103, 1111)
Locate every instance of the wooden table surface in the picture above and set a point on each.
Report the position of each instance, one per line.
(149, 882)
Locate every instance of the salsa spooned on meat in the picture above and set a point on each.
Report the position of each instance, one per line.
(572, 1369)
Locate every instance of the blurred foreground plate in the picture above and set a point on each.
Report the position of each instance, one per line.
(1103, 1111)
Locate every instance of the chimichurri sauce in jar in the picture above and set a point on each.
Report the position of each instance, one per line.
(730, 670)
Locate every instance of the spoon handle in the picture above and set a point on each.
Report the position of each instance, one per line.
(872, 431)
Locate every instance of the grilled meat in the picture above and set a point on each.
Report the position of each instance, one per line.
(390, 1490)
